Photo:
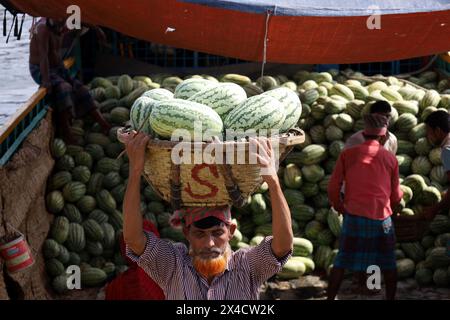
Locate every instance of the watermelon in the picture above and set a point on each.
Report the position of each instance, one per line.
(313, 173)
(158, 94)
(190, 87)
(120, 115)
(291, 104)
(236, 78)
(421, 165)
(335, 221)
(256, 113)
(96, 151)
(76, 239)
(293, 197)
(318, 134)
(292, 269)
(81, 174)
(292, 176)
(405, 268)
(58, 148)
(125, 84)
(140, 113)
(74, 191)
(55, 201)
(168, 116)
(105, 201)
(222, 98)
(313, 154)
(93, 277)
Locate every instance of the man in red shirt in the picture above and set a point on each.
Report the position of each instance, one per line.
(372, 189)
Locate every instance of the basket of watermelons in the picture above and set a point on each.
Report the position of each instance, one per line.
(185, 167)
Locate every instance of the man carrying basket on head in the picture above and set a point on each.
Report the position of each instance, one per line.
(208, 269)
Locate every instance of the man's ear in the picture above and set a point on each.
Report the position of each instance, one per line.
(232, 230)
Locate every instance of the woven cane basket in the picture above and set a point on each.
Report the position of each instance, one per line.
(208, 184)
(409, 228)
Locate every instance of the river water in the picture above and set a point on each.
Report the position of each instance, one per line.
(16, 84)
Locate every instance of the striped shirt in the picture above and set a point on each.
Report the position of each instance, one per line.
(391, 143)
(170, 266)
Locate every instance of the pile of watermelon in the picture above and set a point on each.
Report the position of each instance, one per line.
(86, 189)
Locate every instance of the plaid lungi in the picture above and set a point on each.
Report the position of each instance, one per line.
(74, 95)
(364, 242)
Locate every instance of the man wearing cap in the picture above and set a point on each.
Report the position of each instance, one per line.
(389, 141)
(372, 189)
(208, 269)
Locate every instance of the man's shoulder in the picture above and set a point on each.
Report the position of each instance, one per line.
(355, 139)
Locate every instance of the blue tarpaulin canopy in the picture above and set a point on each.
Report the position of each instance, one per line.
(300, 31)
(328, 8)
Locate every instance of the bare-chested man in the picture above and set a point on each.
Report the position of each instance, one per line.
(69, 96)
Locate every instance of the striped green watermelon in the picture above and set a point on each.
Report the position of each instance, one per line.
(60, 229)
(406, 122)
(313, 173)
(439, 175)
(158, 94)
(86, 204)
(222, 98)
(72, 213)
(65, 163)
(74, 191)
(406, 107)
(83, 158)
(120, 115)
(140, 112)
(318, 134)
(98, 215)
(55, 201)
(291, 103)
(81, 174)
(313, 154)
(430, 99)
(105, 201)
(96, 151)
(336, 148)
(343, 91)
(335, 221)
(190, 87)
(76, 240)
(58, 148)
(106, 165)
(435, 156)
(59, 180)
(421, 165)
(125, 84)
(404, 164)
(257, 112)
(168, 116)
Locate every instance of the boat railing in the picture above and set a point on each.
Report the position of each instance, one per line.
(26, 118)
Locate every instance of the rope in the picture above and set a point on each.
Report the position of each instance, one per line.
(400, 76)
(268, 14)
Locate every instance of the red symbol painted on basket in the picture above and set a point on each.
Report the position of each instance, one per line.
(195, 175)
